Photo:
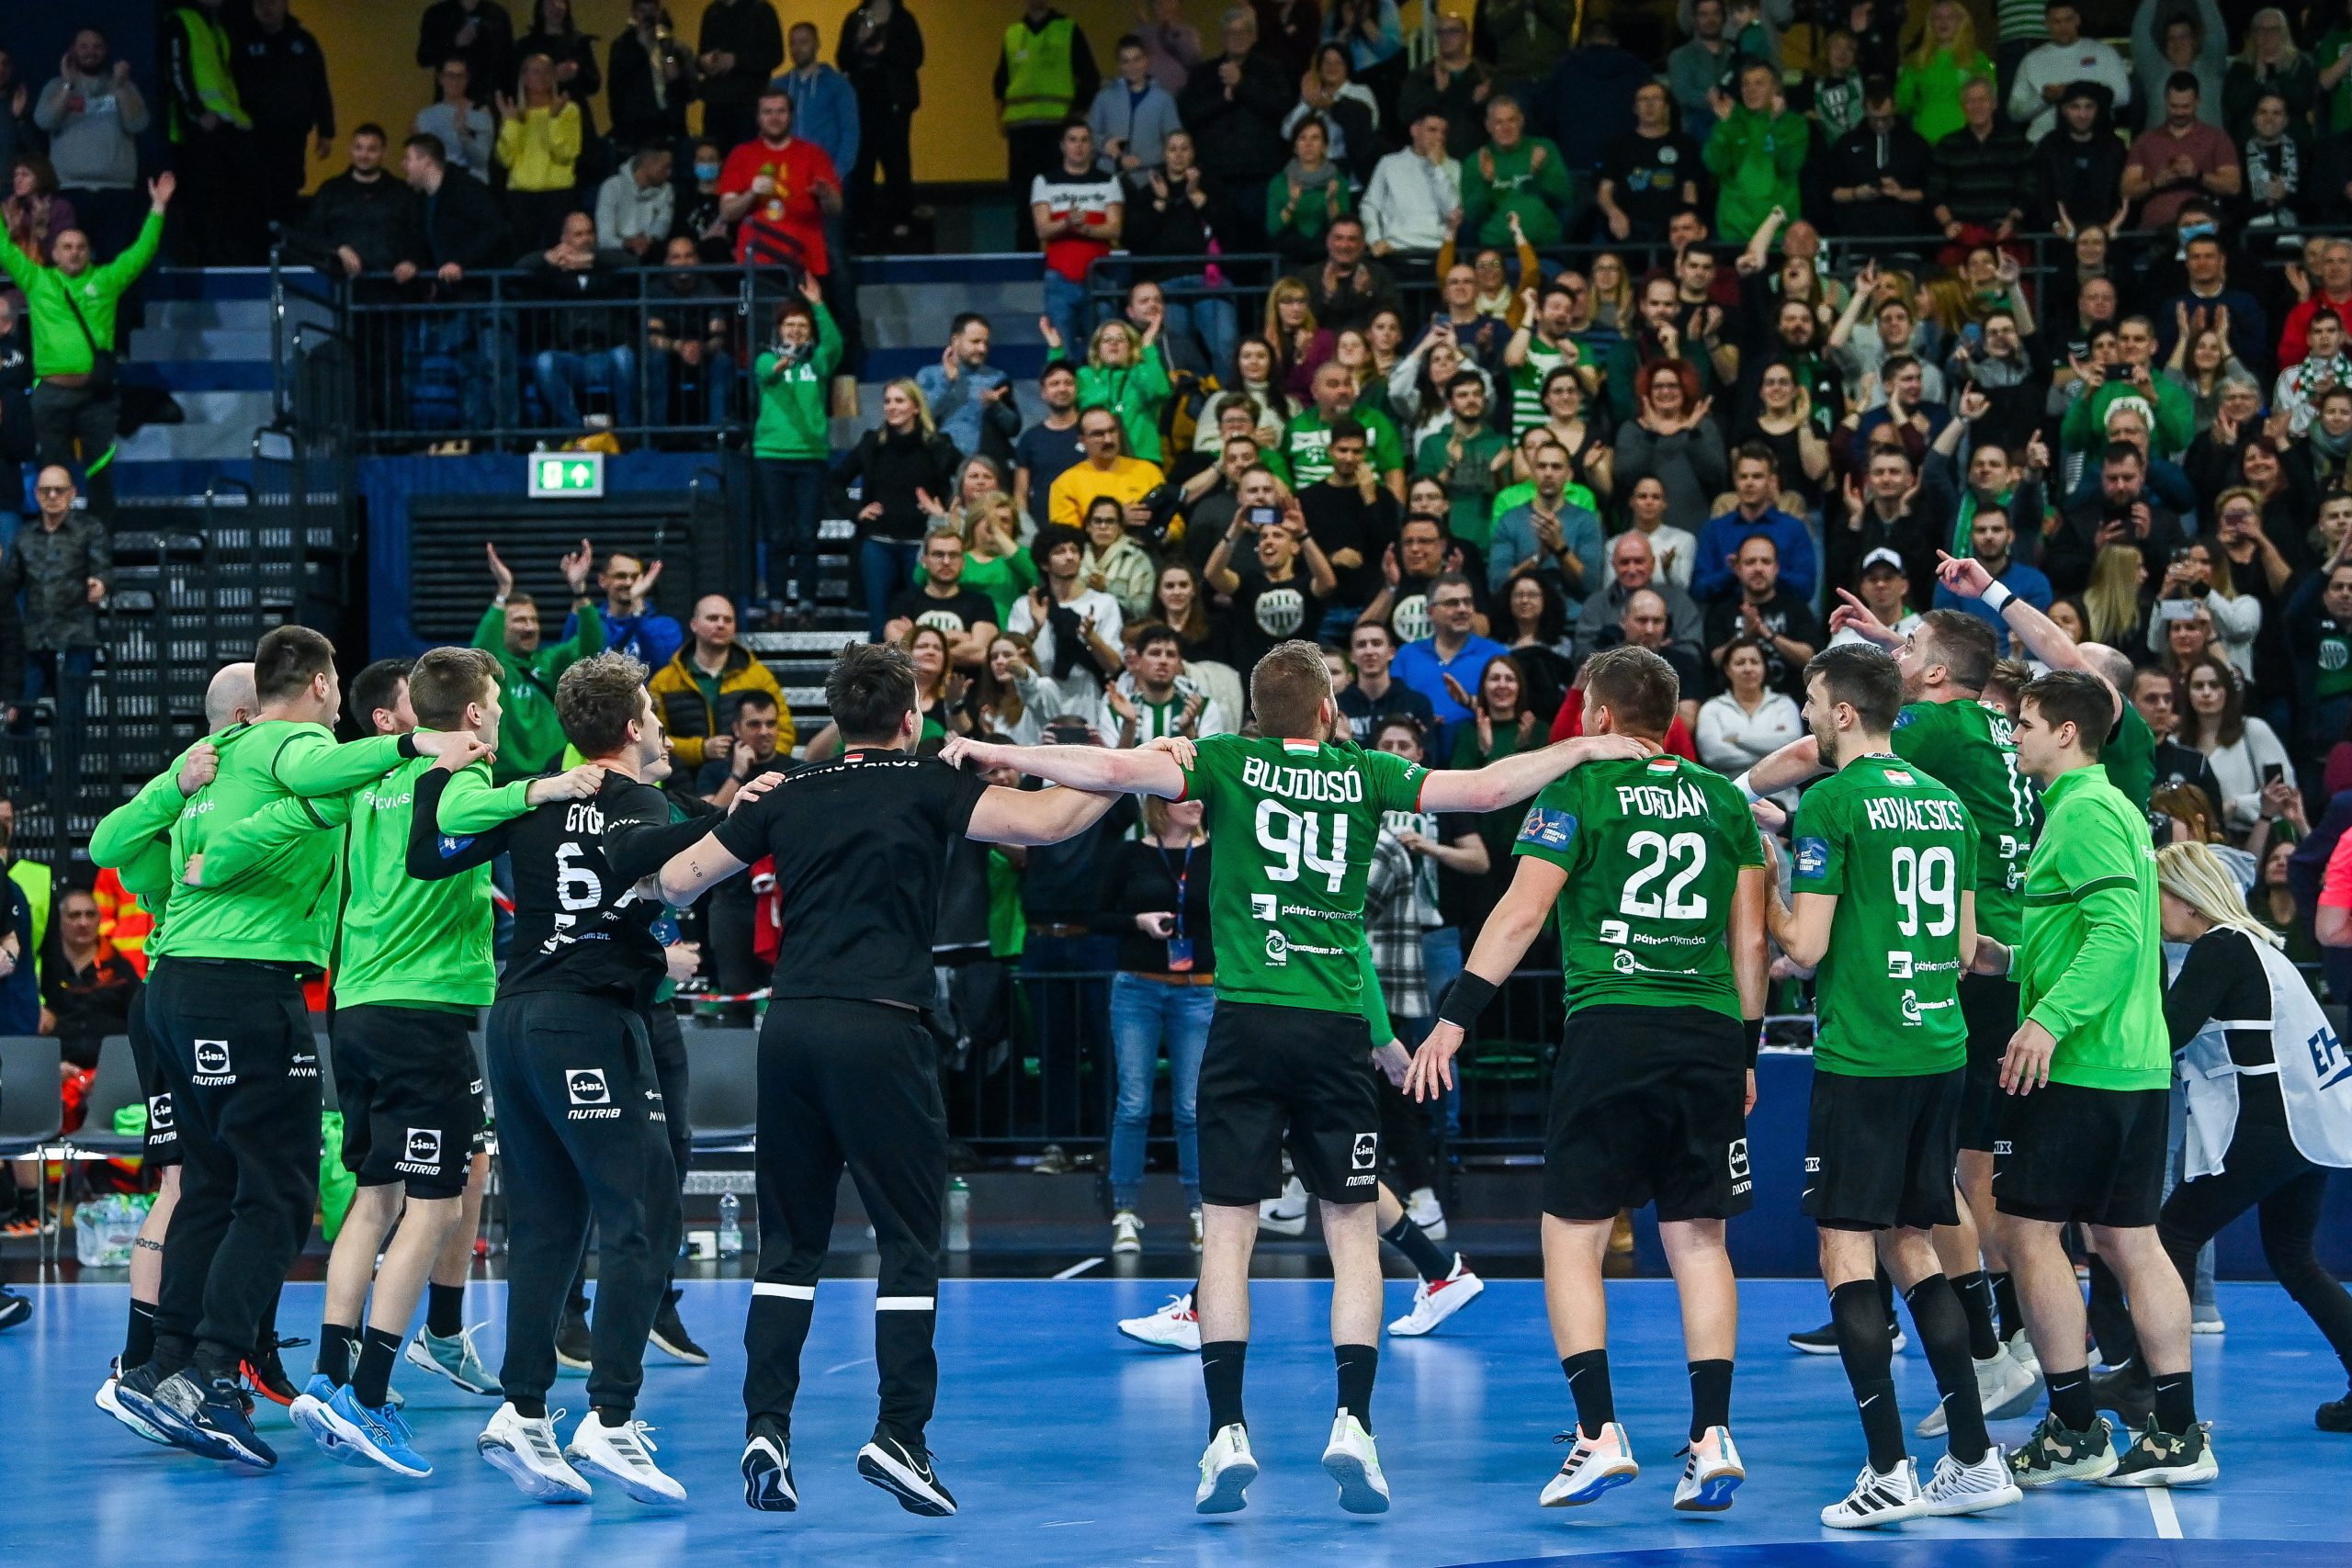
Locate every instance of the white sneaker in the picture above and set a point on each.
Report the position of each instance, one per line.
(1978, 1488)
(2003, 1389)
(2213, 1325)
(1172, 1328)
(1196, 1230)
(1352, 1459)
(104, 1400)
(1432, 1305)
(1228, 1468)
(1286, 1215)
(1126, 1231)
(1422, 1208)
(624, 1456)
(527, 1452)
(1710, 1474)
(2021, 1350)
(1594, 1465)
(1877, 1499)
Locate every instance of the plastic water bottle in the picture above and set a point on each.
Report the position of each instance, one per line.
(731, 1227)
(959, 1216)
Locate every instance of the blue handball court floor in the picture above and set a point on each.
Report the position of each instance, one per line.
(1066, 1444)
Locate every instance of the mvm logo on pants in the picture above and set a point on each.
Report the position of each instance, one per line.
(592, 1098)
(213, 1070)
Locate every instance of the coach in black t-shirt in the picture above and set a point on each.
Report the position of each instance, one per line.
(848, 1073)
(942, 602)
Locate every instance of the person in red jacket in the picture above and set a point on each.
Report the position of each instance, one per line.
(2332, 289)
(779, 189)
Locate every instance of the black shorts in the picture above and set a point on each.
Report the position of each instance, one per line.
(411, 1096)
(1648, 1105)
(1989, 1004)
(2092, 1156)
(1879, 1152)
(162, 1147)
(1270, 1073)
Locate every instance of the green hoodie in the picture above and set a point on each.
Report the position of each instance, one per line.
(283, 910)
(1534, 189)
(1137, 393)
(1755, 158)
(793, 423)
(51, 298)
(2172, 423)
(530, 738)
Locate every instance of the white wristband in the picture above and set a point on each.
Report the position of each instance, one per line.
(1741, 784)
(1996, 597)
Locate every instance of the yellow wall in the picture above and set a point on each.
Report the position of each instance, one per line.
(371, 46)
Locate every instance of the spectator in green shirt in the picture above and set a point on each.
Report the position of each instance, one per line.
(1945, 60)
(1514, 173)
(530, 736)
(1309, 192)
(1755, 153)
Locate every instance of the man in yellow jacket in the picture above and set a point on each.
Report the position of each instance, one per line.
(700, 688)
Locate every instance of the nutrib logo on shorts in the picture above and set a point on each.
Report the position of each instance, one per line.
(422, 1154)
(213, 1070)
(592, 1100)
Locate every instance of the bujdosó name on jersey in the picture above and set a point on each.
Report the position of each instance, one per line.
(1303, 783)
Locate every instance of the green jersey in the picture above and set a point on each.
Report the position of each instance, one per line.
(2130, 758)
(1896, 849)
(284, 911)
(1292, 825)
(1307, 446)
(2090, 965)
(1972, 751)
(1653, 850)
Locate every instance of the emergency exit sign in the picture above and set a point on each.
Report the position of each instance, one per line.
(566, 474)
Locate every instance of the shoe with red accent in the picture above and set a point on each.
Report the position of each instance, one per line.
(1172, 1328)
(265, 1374)
(1434, 1302)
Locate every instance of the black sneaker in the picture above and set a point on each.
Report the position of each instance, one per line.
(903, 1470)
(1823, 1341)
(2130, 1394)
(208, 1418)
(670, 1336)
(2167, 1459)
(767, 1467)
(14, 1308)
(572, 1346)
(265, 1373)
(2335, 1415)
(2054, 1453)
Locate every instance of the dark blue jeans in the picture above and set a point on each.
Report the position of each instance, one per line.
(792, 502)
(562, 377)
(887, 565)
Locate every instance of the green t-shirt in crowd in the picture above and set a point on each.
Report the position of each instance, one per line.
(1897, 850)
(1307, 446)
(2090, 965)
(1653, 850)
(1470, 482)
(2129, 758)
(1972, 751)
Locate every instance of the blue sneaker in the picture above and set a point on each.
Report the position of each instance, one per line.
(453, 1357)
(203, 1417)
(379, 1433)
(309, 1412)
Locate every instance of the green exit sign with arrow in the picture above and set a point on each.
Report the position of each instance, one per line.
(566, 474)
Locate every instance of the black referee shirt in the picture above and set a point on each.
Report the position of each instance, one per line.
(861, 846)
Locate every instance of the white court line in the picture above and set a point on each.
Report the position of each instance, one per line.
(1075, 1269)
(2160, 1505)
(861, 1361)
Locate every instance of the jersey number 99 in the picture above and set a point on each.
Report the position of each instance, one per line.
(1927, 877)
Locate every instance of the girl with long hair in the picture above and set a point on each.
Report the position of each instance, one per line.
(2241, 749)
(894, 466)
(1292, 334)
(2112, 599)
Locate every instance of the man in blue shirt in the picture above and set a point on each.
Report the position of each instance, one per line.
(1756, 481)
(1989, 538)
(969, 397)
(1549, 533)
(824, 106)
(645, 635)
(1451, 658)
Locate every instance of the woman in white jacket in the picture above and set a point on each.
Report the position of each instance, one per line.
(2200, 574)
(2242, 751)
(1742, 727)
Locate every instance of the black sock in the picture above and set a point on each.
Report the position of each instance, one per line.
(1221, 1366)
(444, 1310)
(1709, 1396)
(173, 1351)
(1359, 1365)
(139, 1339)
(213, 1362)
(529, 1407)
(2070, 1398)
(335, 1341)
(372, 1381)
(614, 1415)
(1868, 1351)
(1975, 1294)
(1885, 1282)
(2111, 1320)
(2005, 1303)
(1409, 1238)
(2176, 1402)
(1944, 1329)
(1589, 1386)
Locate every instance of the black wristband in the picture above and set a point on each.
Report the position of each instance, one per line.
(1465, 1000)
(408, 746)
(1753, 1028)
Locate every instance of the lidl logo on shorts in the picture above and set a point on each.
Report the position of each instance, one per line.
(421, 1156)
(592, 1100)
(1898, 967)
(1545, 826)
(1261, 906)
(1739, 1159)
(1277, 950)
(159, 1117)
(1813, 856)
(212, 1063)
(1366, 1153)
